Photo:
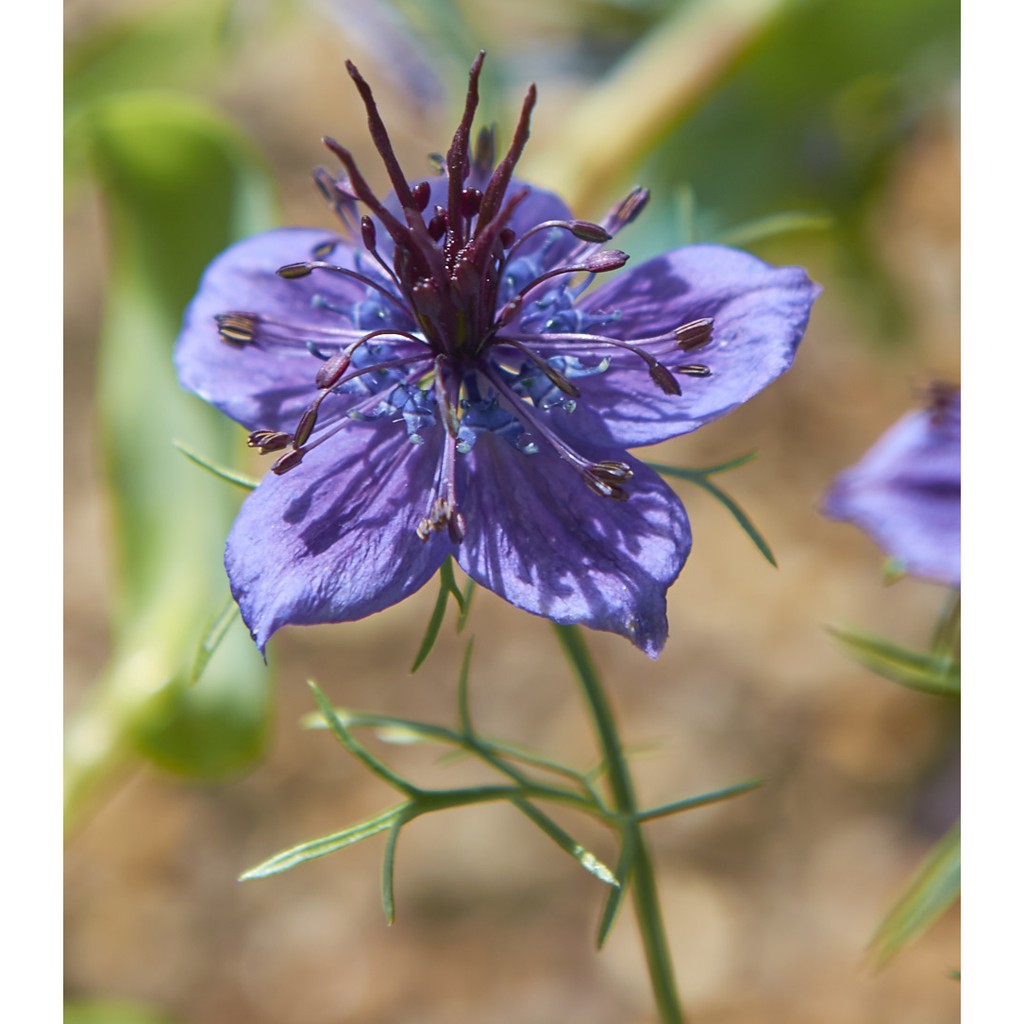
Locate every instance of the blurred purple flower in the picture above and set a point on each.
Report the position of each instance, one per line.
(905, 493)
(439, 380)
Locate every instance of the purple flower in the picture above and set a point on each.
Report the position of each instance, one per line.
(905, 493)
(438, 380)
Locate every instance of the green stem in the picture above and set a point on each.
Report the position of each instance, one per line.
(645, 892)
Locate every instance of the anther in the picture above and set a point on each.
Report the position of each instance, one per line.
(332, 370)
(307, 421)
(609, 259)
(293, 270)
(605, 488)
(237, 328)
(323, 250)
(612, 470)
(662, 376)
(457, 528)
(471, 199)
(693, 370)
(287, 461)
(440, 518)
(587, 231)
(507, 237)
(694, 335)
(269, 440)
(629, 209)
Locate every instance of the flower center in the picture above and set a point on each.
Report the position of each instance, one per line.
(463, 323)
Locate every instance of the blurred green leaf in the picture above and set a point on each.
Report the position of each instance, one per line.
(818, 108)
(931, 891)
(178, 184)
(772, 226)
(111, 1011)
(815, 116)
(927, 672)
(172, 46)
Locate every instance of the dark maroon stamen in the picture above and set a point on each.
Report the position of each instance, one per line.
(458, 157)
(494, 195)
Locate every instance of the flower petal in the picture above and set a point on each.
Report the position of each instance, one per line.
(266, 386)
(536, 535)
(760, 313)
(335, 538)
(905, 494)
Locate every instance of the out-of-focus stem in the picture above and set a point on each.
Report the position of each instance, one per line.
(664, 76)
(645, 891)
(98, 744)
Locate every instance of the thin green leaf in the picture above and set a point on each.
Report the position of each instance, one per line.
(931, 891)
(407, 730)
(704, 471)
(566, 842)
(699, 477)
(387, 880)
(926, 672)
(448, 586)
(465, 721)
(466, 602)
(699, 801)
(212, 639)
(448, 580)
(230, 475)
(613, 902)
(386, 725)
(433, 628)
(291, 858)
(774, 224)
(355, 748)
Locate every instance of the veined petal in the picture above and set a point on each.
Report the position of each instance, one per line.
(334, 539)
(537, 536)
(267, 385)
(759, 311)
(905, 494)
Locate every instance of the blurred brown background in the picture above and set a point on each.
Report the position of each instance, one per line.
(770, 899)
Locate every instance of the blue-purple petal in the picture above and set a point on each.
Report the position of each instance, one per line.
(905, 493)
(538, 537)
(760, 313)
(264, 387)
(335, 538)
